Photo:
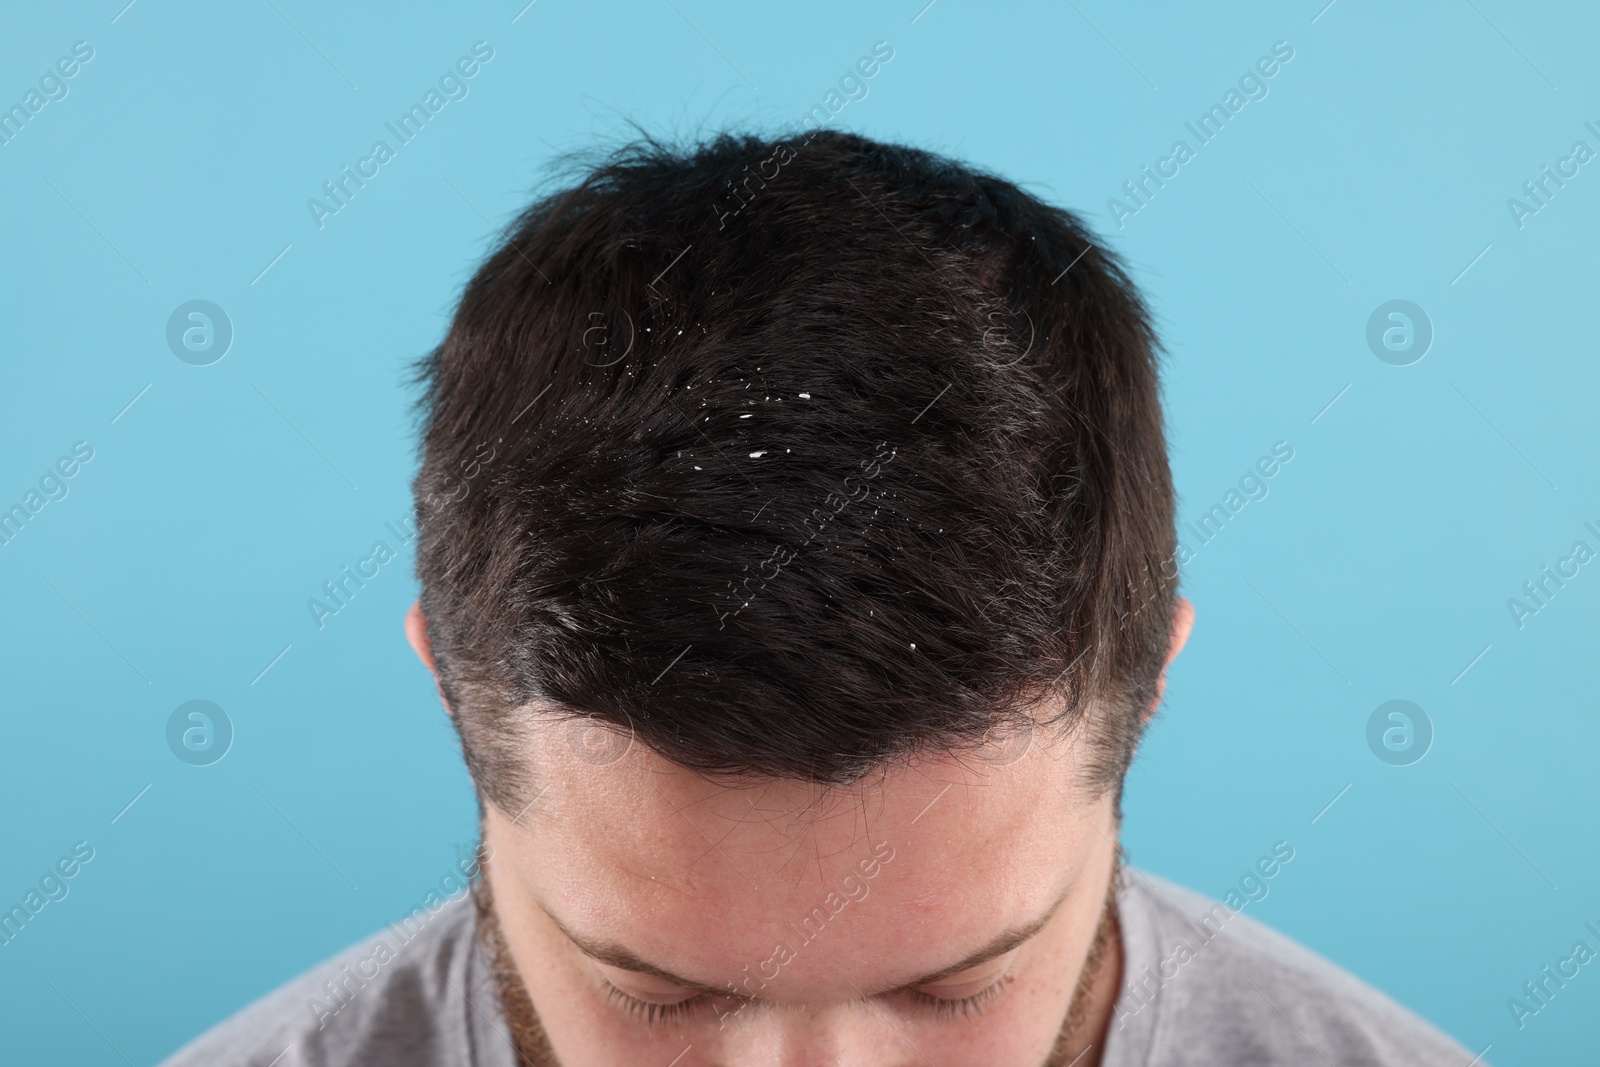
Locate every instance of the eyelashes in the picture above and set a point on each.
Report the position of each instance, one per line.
(653, 1014)
(966, 1006)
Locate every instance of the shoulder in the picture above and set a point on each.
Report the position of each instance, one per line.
(1204, 983)
(417, 992)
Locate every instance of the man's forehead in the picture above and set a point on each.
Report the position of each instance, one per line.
(698, 875)
(636, 811)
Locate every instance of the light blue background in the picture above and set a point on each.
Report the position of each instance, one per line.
(1379, 566)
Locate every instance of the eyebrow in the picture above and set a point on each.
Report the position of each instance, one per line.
(615, 955)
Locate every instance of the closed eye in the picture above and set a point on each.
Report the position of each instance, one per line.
(661, 1013)
(654, 1013)
(945, 1008)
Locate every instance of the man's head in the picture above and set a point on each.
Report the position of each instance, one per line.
(796, 543)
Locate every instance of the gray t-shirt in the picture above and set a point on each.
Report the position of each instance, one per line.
(1202, 985)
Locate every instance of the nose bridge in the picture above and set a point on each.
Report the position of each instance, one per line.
(807, 1035)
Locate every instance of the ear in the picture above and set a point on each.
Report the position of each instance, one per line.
(1182, 623)
(422, 645)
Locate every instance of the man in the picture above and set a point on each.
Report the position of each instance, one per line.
(797, 556)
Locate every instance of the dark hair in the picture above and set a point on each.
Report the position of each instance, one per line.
(794, 459)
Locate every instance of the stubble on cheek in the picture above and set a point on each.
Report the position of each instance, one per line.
(528, 1038)
(1104, 954)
